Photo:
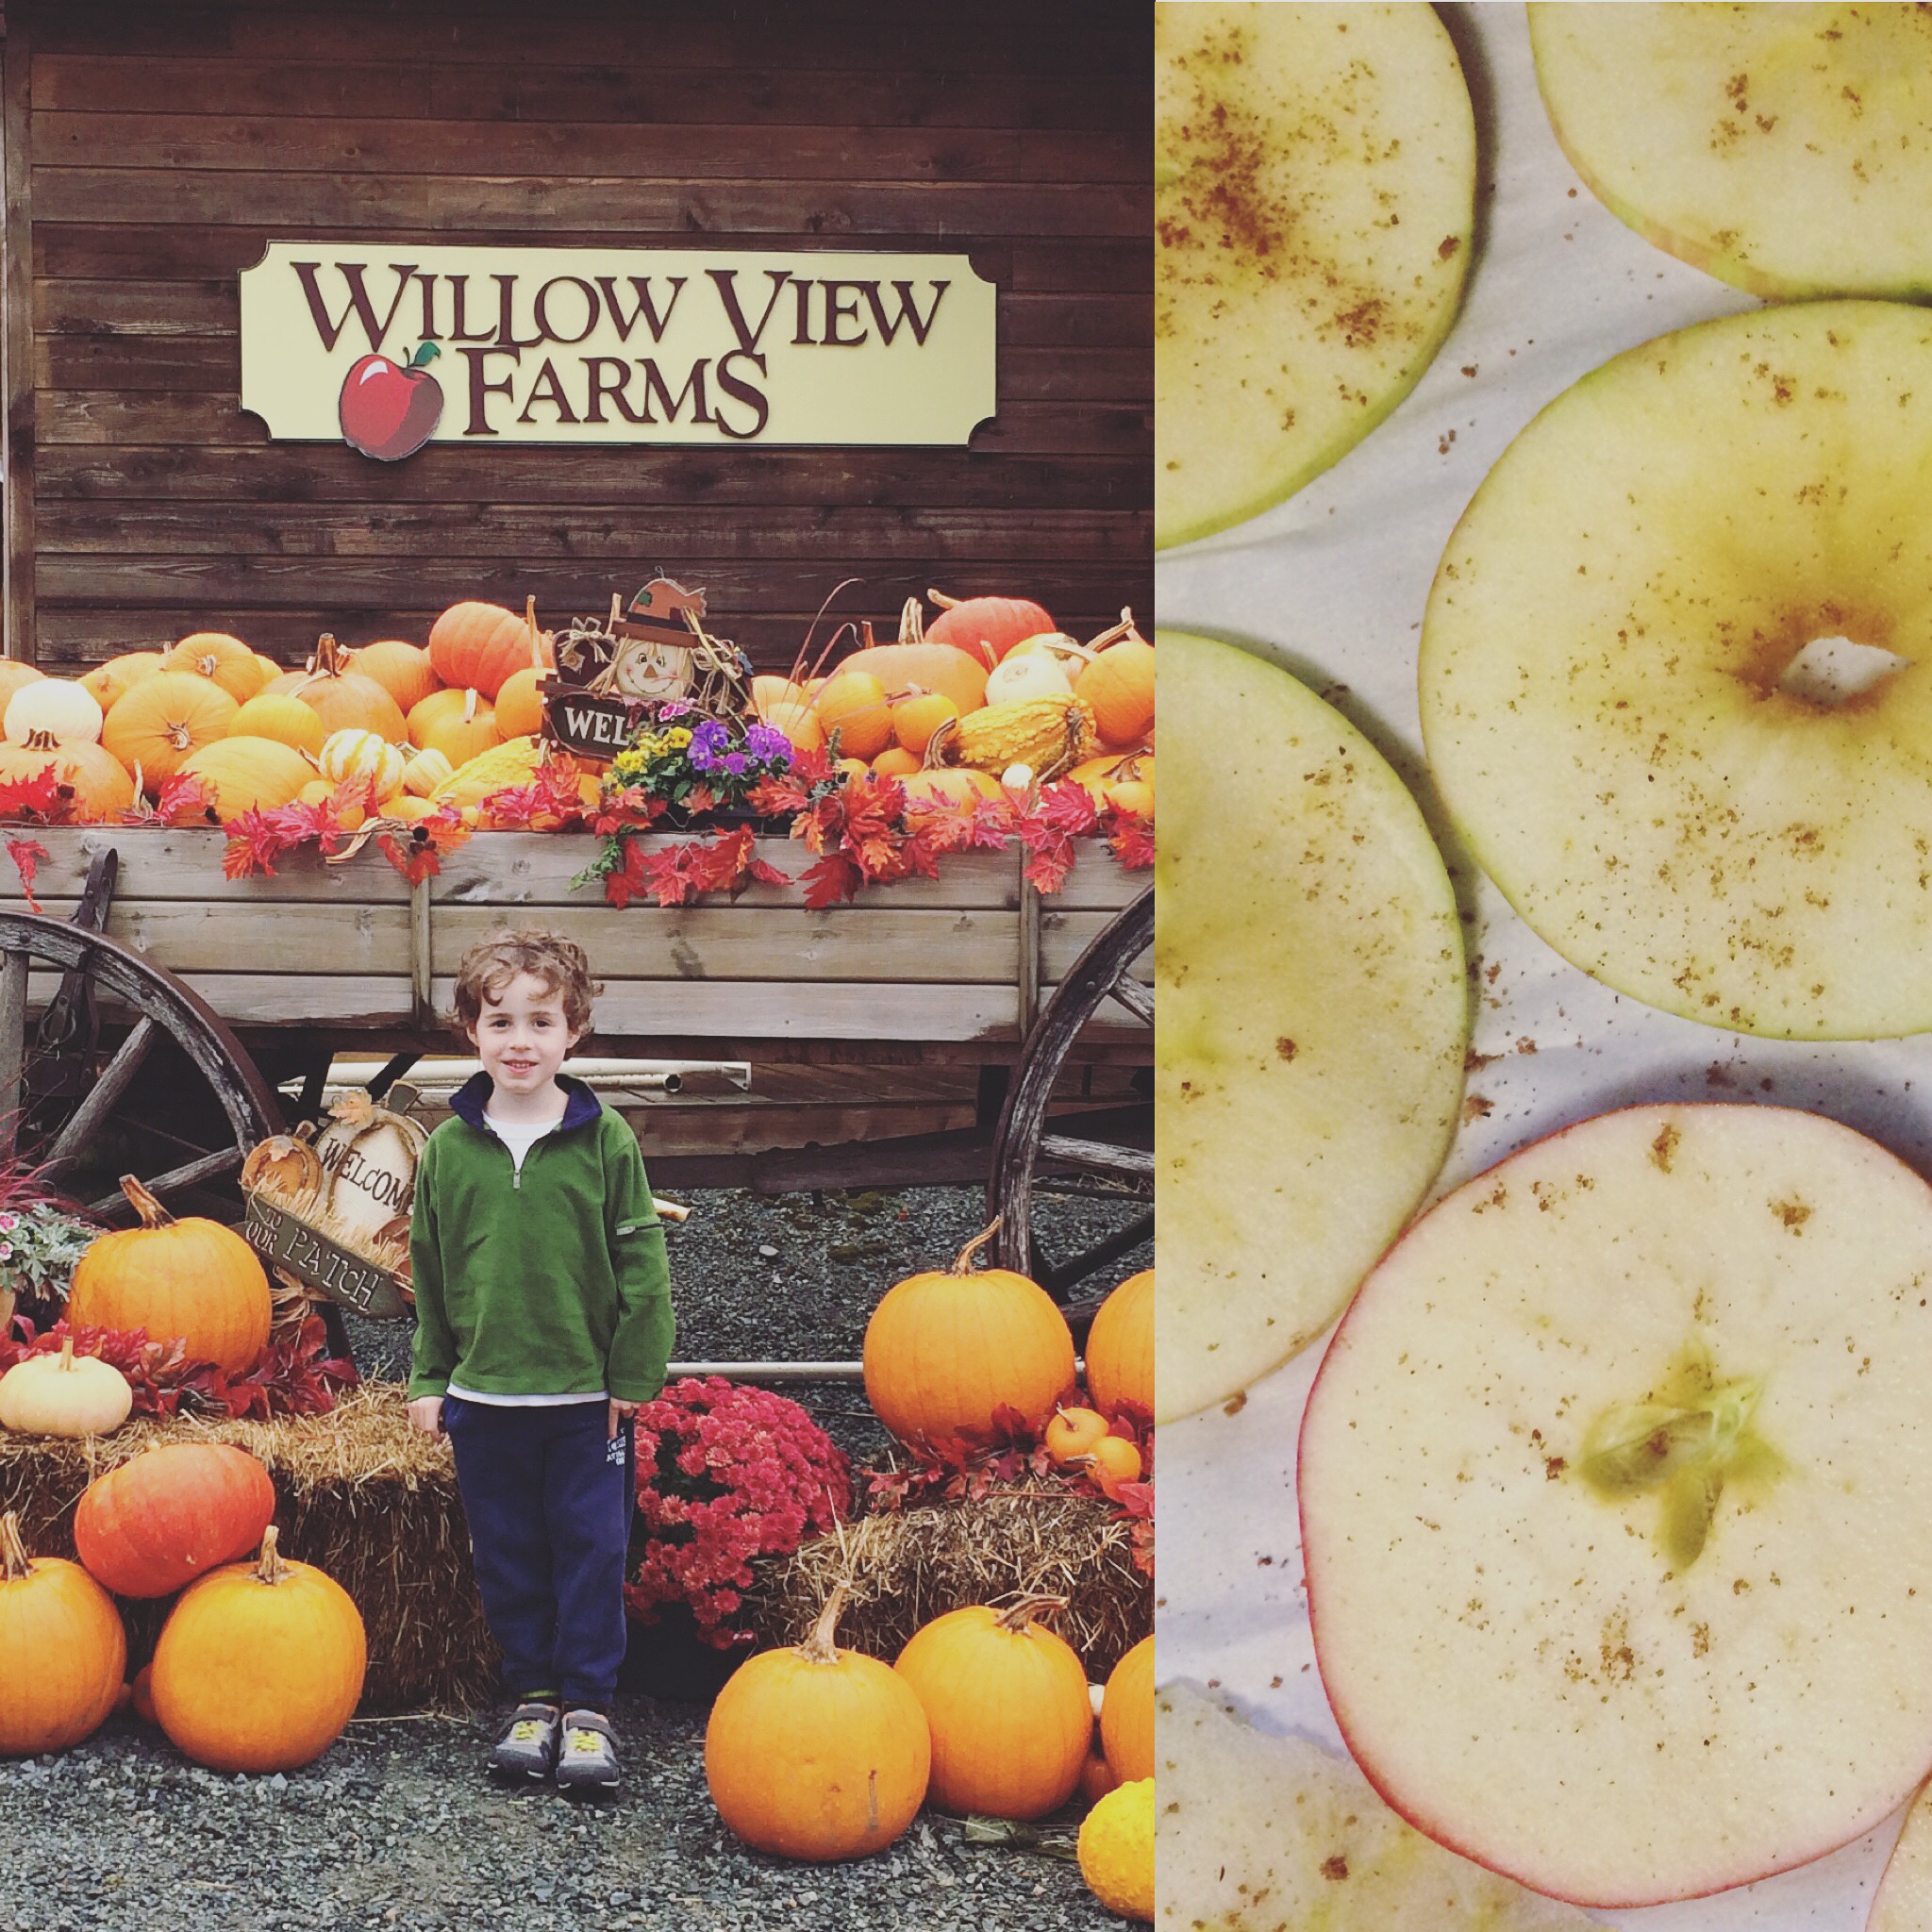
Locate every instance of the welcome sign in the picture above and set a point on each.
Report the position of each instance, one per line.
(395, 347)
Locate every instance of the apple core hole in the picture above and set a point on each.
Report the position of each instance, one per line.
(1831, 672)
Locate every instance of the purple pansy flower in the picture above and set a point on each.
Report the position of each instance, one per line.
(734, 762)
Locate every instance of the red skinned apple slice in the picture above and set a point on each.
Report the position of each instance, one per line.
(1315, 182)
(1782, 149)
(1616, 1503)
(1903, 1901)
(1313, 1014)
(1606, 662)
(1256, 1833)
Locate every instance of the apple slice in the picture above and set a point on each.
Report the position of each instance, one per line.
(1256, 1832)
(1781, 149)
(1607, 688)
(1616, 1501)
(1903, 1901)
(1315, 183)
(1313, 1015)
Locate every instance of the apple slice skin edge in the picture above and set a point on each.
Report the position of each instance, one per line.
(1405, 1803)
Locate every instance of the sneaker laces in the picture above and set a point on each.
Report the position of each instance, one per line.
(528, 1730)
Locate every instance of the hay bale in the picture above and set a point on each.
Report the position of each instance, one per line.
(358, 1493)
(903, 1567)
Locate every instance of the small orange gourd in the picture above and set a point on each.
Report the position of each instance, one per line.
(916, 718)
(1007, 1701)
(854, 714)
(816, 1752)
(947, 1351)
(192, 1278)
(1119, 684)
(403, 669)
(456, 723)
(894, 762)
(63, 1654)
(1073, 1433)
(259, 1665)
(119, 674)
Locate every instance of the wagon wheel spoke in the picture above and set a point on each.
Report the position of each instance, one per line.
(106, 1094)
(1026, 1159)
(177, 1100)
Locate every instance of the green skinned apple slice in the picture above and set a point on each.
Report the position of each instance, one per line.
(1315, 178)
(1903, 1901)
(1309, 977)
(1616, 1501)
(1605, 661)
(1783, 149)
(1256, 1832)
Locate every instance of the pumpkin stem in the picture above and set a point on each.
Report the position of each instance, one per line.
(1028, 1609)
(66, 1363)
(818, 1648)
(944, 602)
(151, 1211)
(470, 706)
(912, 621)
(1115, 633)
(536, 648)
(14, 1560)
(40, 741)
(963, 1263)
(269, 1568)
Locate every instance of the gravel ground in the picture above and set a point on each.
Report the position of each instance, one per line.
(396, 1824)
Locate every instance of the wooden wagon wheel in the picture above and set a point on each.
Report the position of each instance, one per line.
(61, 1087)
(1027, 1162)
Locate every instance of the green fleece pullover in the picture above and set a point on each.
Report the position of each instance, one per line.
(549, 1282)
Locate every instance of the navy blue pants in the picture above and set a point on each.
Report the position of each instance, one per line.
(549, 1499)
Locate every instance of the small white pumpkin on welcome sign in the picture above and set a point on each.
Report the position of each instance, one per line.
(369, 1167)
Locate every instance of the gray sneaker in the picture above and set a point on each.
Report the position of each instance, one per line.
(527, 1747)
(587, 1759)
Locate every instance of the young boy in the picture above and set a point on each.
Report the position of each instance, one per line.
(542, 1321)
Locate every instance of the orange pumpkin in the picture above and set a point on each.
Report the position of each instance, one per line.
(1007, 1701)
(403, 669)
(1096, 1778)
(947, 1351)
(118, 675)
(767, 690)
(282, 716)
(1126, 1715)
(922, 668)
(268, 668)
(1119, 684)
(164, 720)
(854, 714)
(799, 722)
(456, 722)
(192, 1278)
(1119, 1348)
(480, 645)
(815, 1752)
(63, 1654)
(152, 1526)
(214, 653)
(344, 700)
(519, 710)
(248, 774)
(259, 1665)
(915, 719)
(408, 808)
(1113, 1460)
(101, 789)
(1073, 1433)
(960, 784)
(894, 762)
(986, 628)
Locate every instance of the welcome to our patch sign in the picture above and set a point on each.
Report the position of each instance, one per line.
(393, 348)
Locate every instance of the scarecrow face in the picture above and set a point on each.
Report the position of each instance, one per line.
(653, 671)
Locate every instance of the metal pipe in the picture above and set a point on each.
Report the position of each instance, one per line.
(429, 1078)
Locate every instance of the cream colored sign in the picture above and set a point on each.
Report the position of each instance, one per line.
(393, 348)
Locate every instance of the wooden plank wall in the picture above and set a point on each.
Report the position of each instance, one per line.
(166, 144)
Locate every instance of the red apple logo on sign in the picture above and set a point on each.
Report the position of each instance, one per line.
(390, 409)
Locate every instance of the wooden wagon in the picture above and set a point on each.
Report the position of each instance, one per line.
(153, 1013)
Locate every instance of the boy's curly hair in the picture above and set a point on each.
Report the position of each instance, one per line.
(492, 963)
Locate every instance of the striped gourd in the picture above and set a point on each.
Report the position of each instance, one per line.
(1047, 735)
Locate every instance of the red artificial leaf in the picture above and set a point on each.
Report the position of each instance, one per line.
(1132, 839)
(182, 799)
(44, 799)
(625, 812)
(831, 881)
(255, 839)
(26, 855)
(1068, 808)
(765, 872)
(1049, 865)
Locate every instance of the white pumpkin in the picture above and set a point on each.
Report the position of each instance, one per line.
(424, 771)
(67, 712)
(369, 1169)
(64, 1394)
(363, 755)
(1027, 674)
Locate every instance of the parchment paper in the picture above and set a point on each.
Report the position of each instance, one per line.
(1332, 584)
